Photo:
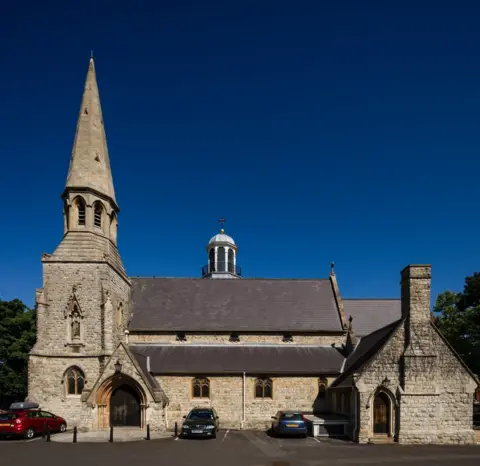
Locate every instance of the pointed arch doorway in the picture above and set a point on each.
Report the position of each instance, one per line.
(121, 402)
(125, 407)
(381, 414)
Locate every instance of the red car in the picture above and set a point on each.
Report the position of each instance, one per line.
(29, 422)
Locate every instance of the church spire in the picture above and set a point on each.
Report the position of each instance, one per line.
(90, 164)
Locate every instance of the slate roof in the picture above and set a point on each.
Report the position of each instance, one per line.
(370, 315)
(232, 359)
(192, 304)
(364, 351)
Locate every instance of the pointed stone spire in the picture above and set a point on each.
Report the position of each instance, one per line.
(90, 164)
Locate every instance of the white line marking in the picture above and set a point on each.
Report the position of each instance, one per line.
(316, 439)
(225, 436)
(33, 439)
(176, 438)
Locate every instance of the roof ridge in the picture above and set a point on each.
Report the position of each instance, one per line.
(232, 281)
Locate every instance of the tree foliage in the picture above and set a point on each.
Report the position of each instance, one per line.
(17, 336)
(458, 317)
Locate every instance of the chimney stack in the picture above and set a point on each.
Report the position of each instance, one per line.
(416, 286)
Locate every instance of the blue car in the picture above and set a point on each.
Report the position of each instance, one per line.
(289, 423)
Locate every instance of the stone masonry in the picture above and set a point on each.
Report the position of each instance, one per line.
(429, 388)
(85, 305)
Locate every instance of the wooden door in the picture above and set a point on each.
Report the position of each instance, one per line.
(125, 407)
(381, 414)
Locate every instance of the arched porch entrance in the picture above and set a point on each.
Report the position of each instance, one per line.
(382, 414)
(121, 402)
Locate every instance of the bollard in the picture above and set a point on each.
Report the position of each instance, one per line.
(48, 434)
(75, 434)
(44, 430)
(176, 430)
(111, 434)
(148, 432)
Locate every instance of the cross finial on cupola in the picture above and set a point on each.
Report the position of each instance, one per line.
(222, 221)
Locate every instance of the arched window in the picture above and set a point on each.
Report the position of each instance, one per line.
(97, 214)
(201, 387)
(263, 388)
(80, 203)
(211, 259)
(231, 267)
(74, 381)
(322, 387)
(221, 259)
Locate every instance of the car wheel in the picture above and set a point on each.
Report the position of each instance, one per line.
(63, 427)
(29, 433)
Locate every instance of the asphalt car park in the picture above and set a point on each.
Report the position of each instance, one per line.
(234, 448)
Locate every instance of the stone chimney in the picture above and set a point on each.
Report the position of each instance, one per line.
(418, 362)
(416, 287)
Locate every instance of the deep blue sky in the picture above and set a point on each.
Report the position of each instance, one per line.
(344, 131)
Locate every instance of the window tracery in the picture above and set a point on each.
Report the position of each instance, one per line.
(263, 387)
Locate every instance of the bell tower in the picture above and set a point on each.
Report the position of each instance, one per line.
(83, 305)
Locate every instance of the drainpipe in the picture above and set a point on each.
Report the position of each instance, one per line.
(243, 419)
(166, 416)
(356, 414)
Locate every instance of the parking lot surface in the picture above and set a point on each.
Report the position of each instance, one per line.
(232, 448)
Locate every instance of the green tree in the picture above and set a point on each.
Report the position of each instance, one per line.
(17, 336)
(458, 317)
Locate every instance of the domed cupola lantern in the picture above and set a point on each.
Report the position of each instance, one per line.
(222, 256)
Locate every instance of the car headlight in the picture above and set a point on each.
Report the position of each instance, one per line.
(185, 427)
(209, 427)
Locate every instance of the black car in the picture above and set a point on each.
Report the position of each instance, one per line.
(200, 422)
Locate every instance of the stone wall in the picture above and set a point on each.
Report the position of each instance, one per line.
(53, 354)
(226, 396)
(47, 388)
(224, 338)
(443, 402)
(434, 409)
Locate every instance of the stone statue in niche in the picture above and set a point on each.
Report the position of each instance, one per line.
(75, 325)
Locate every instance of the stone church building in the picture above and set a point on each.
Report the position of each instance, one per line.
(112, 349)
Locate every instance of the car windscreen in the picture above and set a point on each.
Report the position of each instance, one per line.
(7, 417)
(292, 417)
(200, 415)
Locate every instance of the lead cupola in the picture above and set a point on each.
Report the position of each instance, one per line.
(222, 256)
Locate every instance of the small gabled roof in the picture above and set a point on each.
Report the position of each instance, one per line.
(260, 305)
(370, 315)
(364, 352)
